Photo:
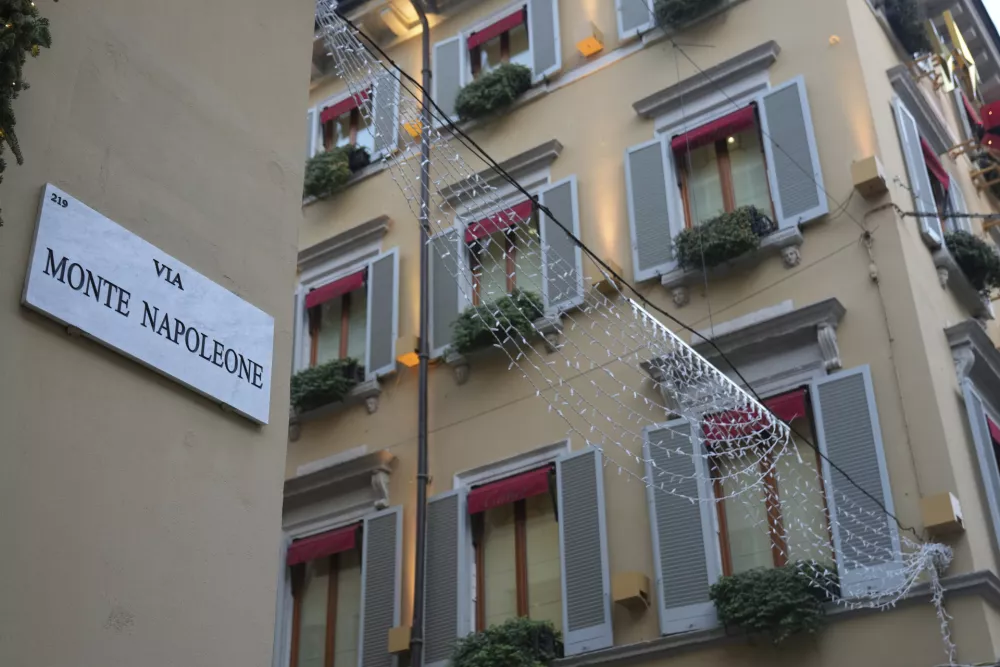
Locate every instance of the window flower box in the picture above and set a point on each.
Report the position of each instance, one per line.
(675, 13)
(906, 19)
(329, 171)
(970, 267)
(493, 91)
(327, 383)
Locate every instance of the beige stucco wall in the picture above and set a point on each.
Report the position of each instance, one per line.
(895, 325)
(140, 522)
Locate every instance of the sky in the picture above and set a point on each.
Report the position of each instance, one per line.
(993, 7)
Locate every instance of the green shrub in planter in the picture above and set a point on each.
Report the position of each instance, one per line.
(520, 642)
(778, 602)
(324, 384)
(493, 91)
(722, 239)
(977, 259)
(906, 18)
(473, 329)
(673, 13)
(326, 173)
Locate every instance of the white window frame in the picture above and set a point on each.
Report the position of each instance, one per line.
(321, 274)
(479, 25)
(493, 472)
(317, 109)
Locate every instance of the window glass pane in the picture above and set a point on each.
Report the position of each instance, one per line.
(499, 582)
(348, 609)
(746, 515)
(312, 628)
(489, 54)
(802, 503)
(544, 567)
(519, 53)
(357, 339)
(528, 260)
(704, 186)
(328, 338)
(492, 267)
(342, 130)
(749, 174)
(365, 137)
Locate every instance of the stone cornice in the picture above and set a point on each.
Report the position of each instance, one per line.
(531, 160)
(359, 235)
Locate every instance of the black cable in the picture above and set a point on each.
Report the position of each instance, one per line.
(479, 152)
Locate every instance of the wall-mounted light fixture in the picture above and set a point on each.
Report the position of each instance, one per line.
(591, 44)
(406, 351)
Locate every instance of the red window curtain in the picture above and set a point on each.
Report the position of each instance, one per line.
(517, 213)
(342, 107)
(972, 112)
(510, 489)
(337, 288)
(934, 164)
(994, 431)
(497, 28)
(720, 128)
(324, 544)
(991, 117)
(744, 423)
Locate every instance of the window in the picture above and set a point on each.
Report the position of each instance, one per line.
(763, 527)
(722, 168)
(338, 321)
(343, 124)
(505, 260)
(504, 41)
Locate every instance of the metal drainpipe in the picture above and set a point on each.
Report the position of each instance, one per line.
(420, 570)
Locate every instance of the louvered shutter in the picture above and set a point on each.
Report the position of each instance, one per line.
(583, 545)
(792, 157)
(300, 330)
(685, 536)
(562, 258)
(385, 107)
(652, 197)
(283, 607)
(865, 539)
(985, 454)
(634, 17)
(310, 133)
(383, 314)
(543, 36)
(447, 592)
(381, 563)
(916, 169)
(446, 260)
(449, 61)
(958, 206)
(963, 115)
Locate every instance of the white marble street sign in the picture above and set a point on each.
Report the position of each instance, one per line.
(93, 274)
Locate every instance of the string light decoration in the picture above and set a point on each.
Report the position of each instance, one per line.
(23, 31)
(625, 384)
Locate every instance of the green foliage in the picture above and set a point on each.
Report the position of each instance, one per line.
(977, 259)
(778, 602)
(22, 31)
(328, 171)
(519, 642)
(473, 329)
(722, 239)
(906, 18)
(323, 384)
(492, 91)
(673, 13)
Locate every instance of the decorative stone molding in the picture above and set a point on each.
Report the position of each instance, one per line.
(551, 329)
(975, 357)
(367, 392)
(784, 241)
(967, 295)
(380, 484)
(531, 160)
(942, 274)
(459, 365)
(341, 244)
(826, 336)
(681, 296)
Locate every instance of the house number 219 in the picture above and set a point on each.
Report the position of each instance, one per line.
(59, 200)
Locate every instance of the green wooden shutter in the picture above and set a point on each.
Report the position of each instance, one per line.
(562, 258)
(381, 563)
(448, 594)
(652, 194)
(543, 36)
(448, 63)
(634, 17)
(383, 314)
(916, 169)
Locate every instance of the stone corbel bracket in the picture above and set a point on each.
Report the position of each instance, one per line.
(975, 357)
(459, 365)
(551, 329)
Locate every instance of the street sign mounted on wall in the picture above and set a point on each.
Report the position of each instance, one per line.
(92, 274)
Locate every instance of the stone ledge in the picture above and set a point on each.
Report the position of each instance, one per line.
(951, 277)
(367, 392)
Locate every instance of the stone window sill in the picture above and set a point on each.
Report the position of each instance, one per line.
(950, 276)
(367, 392)
(550, 328)
(784, 241)
(377, 166)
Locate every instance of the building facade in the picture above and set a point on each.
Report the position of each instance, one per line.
(140, 517)
(851, 306)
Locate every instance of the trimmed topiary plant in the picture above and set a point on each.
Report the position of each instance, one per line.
(722, 239)
(906, 18)
(674, 13)
(324, 384)
(330, 170)
(473, 330)
(492, 91)
(520, 642)
(778, 602)
(977, 259)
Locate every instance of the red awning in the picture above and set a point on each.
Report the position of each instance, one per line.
(498, 28)
(342, 107)
(934, 164)
(747, 422)
(971, 111)
(324, 544)
(719, 128)
(994, 430)
(517, 213)
(337, 288)
(518, 487)
(991, 116)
